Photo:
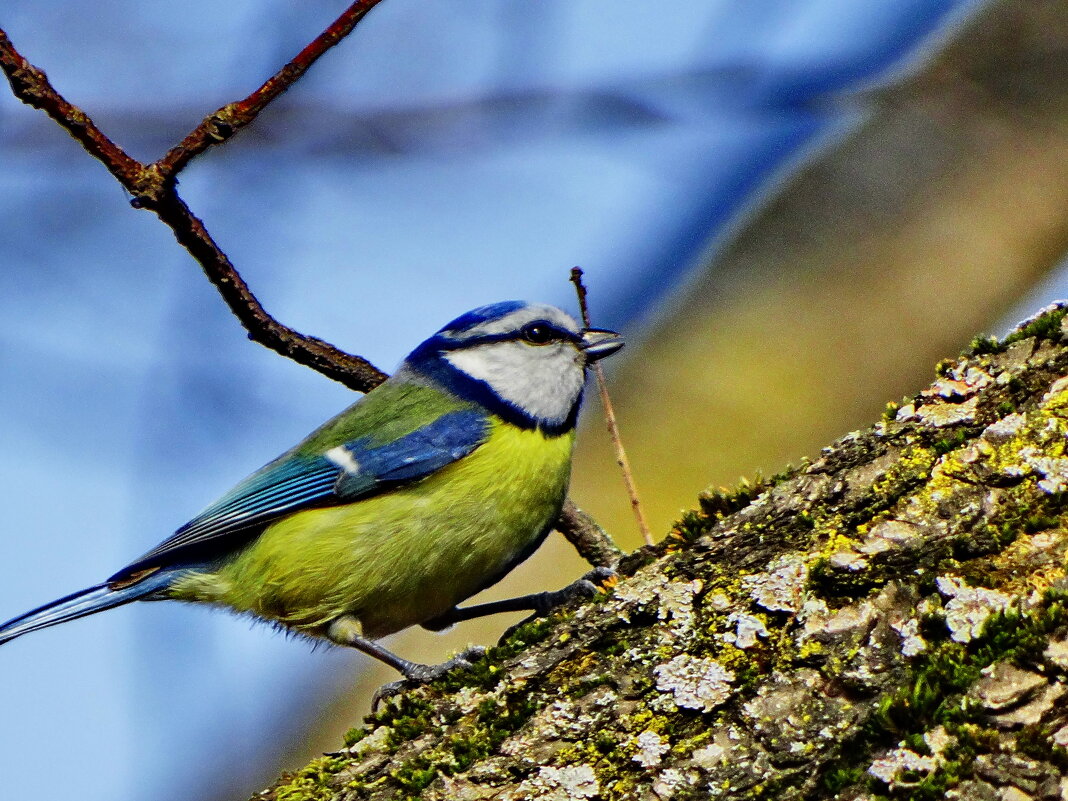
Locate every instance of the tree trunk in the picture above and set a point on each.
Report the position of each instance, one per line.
(888, 621)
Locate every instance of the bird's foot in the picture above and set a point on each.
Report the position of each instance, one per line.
(416, 674)
(586, 587)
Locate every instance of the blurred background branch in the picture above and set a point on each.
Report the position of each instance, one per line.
(875, 255)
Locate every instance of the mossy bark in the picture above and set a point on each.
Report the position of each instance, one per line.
(889, 621)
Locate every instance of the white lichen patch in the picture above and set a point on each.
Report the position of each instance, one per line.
(709, 757)
(1054, 470)
(375, 741)
(1060, 737)
(718, 602)
(667, 782)
(1044, 540)
(938, 740)
(948, 388)
(973, 380)
(856, 617)
(695, 682)
(906, 413)
(649, 747)
(1010, 793)
(468, 699)
(911, 641)
(1004, 429)
(944, 408)
(1016, 697)
(969, 608)
(889, 768)
(848, 560)
(558, 784)
(561, 719)
(1057, 653)
(782, 588)
(1004, 685)
(673, 600)
(813, 608)
(887, 535)
(975, 453)
(662, 704)
(747, 628)
(939, 415)
(1057, 388)
(788, 708)
(1032, 712)
(821, 623)
(977, 378)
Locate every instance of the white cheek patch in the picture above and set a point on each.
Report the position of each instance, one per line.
(542, 380)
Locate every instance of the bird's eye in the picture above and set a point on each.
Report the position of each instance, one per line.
(538, 334)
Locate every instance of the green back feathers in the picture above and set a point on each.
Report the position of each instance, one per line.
(385, 414)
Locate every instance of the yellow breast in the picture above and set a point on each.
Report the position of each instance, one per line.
(406, 555)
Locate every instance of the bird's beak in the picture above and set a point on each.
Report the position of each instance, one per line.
(598, 343)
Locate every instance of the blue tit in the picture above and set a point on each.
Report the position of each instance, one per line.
(428, 489)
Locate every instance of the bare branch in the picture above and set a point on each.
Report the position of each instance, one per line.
(352, 371)
(231, 118)
(589, 539)
(153, 188)
(32, 87)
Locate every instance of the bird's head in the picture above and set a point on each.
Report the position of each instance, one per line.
(524, 361)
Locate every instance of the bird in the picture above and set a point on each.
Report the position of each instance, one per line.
(430, 488)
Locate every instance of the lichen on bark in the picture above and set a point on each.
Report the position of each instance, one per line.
(888, 621)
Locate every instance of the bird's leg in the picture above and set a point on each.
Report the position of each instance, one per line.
(541, 603)
(346, 630)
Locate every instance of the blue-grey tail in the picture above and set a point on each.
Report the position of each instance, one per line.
(80, 604)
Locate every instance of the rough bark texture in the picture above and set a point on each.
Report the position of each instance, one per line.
(889, 621)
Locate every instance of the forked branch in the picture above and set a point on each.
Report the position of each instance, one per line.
(153, 186)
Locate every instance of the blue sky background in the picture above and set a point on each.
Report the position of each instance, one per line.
(446, 155)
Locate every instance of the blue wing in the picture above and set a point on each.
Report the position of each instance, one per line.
(343, 474)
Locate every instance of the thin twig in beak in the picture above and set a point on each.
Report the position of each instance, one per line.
(610, 418)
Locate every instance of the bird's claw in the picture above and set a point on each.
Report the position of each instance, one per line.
(416, 674)
(599, 575)
(421, 674)
(586, 587)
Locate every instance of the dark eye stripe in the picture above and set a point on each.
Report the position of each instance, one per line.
(542, 332)
(558, 334)
(556, 331)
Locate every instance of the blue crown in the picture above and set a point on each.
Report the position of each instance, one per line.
(482, 314)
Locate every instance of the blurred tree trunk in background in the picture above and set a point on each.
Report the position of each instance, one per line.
(886, 251)
(889, 621)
